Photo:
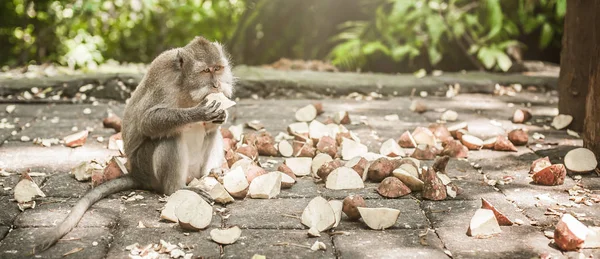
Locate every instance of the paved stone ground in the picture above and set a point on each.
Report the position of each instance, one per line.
(267, 224)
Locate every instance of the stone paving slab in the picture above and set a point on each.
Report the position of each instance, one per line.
(400, 243)
(18, 243)
(459, 212)
(276, 219)
(277, 244)
(199, 242)
(513, 242)
(411, 215)
(104, 213)
(147, 211)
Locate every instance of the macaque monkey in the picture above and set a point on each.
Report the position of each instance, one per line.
(171, 133)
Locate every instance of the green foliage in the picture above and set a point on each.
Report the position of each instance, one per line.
(482, 30)
(83, 33)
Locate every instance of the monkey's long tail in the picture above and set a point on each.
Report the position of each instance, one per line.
(94, 195)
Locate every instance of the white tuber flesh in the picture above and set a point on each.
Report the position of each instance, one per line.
(391, 148)
(236, 183)
(580, 160)
(352, 149)
(379, 218)
(193, 212)
(337, 210)
(561, 121)
(168, 212)
(226, 236)
(285, 148)
(318, 161)
(306, 113)
(318, 215)
(266, 186)
(483, 223)
(344, 178)
(301, 166)
(226, 103)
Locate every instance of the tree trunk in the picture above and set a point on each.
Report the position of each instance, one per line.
(577, 44)
(591, 129)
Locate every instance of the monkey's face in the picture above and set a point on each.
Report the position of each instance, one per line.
(205, 69)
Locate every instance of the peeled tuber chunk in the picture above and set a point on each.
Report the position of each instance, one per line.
(518, 137)
(379, 218)
(483, 224)
(501, 218)
(226, 236)
(570, 234)
(580, 160)
(318, 215)
(351, 149)
(539, 164)
(344, 178)
(193, 213)
(391, 149)
(551, 175)
(265, 186)
(306, 113)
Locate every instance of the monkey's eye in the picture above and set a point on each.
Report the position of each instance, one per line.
(217, 68)
(206, 70)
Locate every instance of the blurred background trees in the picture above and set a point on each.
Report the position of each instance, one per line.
(370, 35)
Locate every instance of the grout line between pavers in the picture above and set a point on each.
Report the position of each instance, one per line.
(434, 229)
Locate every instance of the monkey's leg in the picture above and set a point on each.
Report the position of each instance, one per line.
(170, 165)
(214, 154)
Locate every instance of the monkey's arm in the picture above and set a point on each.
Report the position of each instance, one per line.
(161, 121)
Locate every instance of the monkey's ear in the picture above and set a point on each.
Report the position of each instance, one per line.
(179, 60)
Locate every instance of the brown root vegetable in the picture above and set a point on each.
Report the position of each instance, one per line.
(433, 188)
(501, 218)
(359, 164)
(518, 137)
(539, 164)
(471, 142)
(390, 148)
(318, 161)
(340, 136)
(440, 163)
(327, 168)
(489, 143)
(453, 129)
(304, 149)
(417, 106)
(503, 144)
(392, 187)
(113, 170)
(319, 107)
(306, 113)
(570, 234)
(406, 140)
(298, 128)
(341, 117)
(226, 133)
(351, 204)
(455, 149)
(252, 171)
(425, 152)
(440, 132)
(265, 186)
(286, 170)
(521, 116)
(76, 139)
(193, 213)
(265, 144)
(328, 146)
(551, 175)
(287, 181)
(236, 183)
(228, 144)
(423, 135)
(112, 122)
(460, 133)
(249, 151)
(380, 169)
(231, 157)
(379, 218)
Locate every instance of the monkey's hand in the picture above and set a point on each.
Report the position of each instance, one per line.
(209, 112)
(221, 119)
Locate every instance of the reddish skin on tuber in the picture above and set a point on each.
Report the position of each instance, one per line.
(518, 137)
(455, 149)
(433, 188)
(380, 169)
(539, 164)
(406, 140)
(350, 206)
(425, 152)
(521, 116)
(502, 220)
(327, 168)
(319, 107)
(503, 144)
(249, 151)
(551, 175)
(113, 122)
(286, 170)
(440, 132)
(265, 144)
(328, 146)
(226, 133)
(392, 187)
(304, 149)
